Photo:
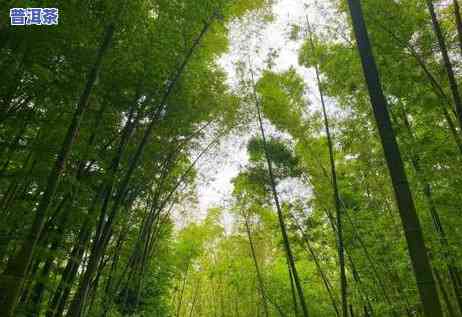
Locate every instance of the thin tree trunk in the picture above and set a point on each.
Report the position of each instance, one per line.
(366, 312)
(180, 299)
(324, 278)
(444, 294)
(447, 61)
(352, 313)
(94, 287)
(257, 268)
(336, 196)
(115, 261)
(153, 218)
(293, 292)
(364, 297)
(25, 296)
(282, 224)
(411, 225)
(236, 306)
(458, 21)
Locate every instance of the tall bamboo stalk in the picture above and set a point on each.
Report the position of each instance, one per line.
(410, 221)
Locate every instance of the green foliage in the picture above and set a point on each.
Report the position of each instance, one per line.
(282, 100)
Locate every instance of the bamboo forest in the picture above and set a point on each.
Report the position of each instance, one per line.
(230, 158)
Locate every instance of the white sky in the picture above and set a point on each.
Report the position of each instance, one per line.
(216, 171)
(212, 189)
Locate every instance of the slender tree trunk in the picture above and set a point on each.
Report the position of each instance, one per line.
(282, 224)
(358, 282)
(27, 292)
(411, 225)
(293, 292)
(12, 278)
(336, 196)
(444, 294)
(366, 312)
(115, 261)
(454, 276)
(79, 301)
(236, 305)
(257, 268)
(447, 61)
(94, 287)
(180, 299)
(458, 21)
(352, 312)
(324, 278)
